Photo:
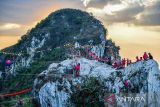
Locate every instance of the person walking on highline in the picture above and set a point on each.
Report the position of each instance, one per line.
(145, 56)
(77, 70)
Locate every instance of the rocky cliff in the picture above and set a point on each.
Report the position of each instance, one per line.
(54, 88)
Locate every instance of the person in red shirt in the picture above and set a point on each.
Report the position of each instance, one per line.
(77, 70)
(145, 56)
(126, 84)
(99, 59)
(96, 58)
(119, 65)
(115, 65)
(90, 54)
(123, 62)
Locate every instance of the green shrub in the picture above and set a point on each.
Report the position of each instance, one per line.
(89, 94)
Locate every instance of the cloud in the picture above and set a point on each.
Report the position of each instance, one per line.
(138, 12)
(13, 29)
(99, 3)
(151, 15)
(9, 26)
(118, 13)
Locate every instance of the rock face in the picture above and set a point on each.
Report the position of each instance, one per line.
(54, 87)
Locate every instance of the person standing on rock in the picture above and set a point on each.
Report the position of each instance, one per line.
(141, 58)
(109, 61)
(150, 56)
(128, 62)
(115, 65)
(77, 70)
(126, 84)
(123, 62)
(145, 56)
(137, 59)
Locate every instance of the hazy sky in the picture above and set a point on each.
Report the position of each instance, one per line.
(133, 24)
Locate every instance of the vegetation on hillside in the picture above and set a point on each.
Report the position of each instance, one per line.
(89, 94)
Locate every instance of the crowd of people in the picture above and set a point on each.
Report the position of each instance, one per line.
(125, 62)
(117, 65)
(93, 56)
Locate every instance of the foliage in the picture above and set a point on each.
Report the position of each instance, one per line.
(89, 95)
(12, 102)
(26, 76)
(55, 55)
